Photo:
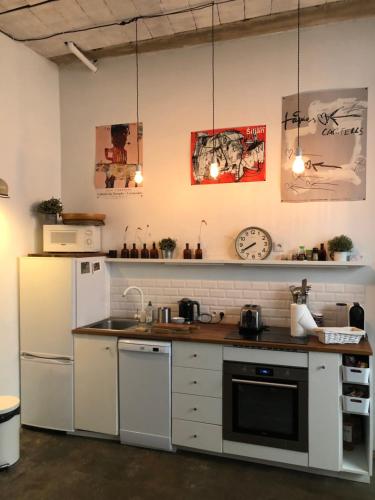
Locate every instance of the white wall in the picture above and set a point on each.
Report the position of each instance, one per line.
(30, 164)
(252, 75)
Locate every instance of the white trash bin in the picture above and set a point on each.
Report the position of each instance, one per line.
(10, 423)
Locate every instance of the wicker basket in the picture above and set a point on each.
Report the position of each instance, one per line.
(340, 335)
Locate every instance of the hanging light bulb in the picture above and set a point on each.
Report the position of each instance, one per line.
(298, 166)
(214, 167)
(138, 178)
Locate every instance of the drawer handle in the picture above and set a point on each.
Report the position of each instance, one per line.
(107, 348)
(195, 409)
(322, 367)
(195, 355)
(194, 436)
(195, 382)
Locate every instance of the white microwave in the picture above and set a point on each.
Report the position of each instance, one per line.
(67, 238)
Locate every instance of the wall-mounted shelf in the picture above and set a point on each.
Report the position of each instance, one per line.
(236, 262)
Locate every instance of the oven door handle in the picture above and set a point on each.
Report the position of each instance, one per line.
(269, 384)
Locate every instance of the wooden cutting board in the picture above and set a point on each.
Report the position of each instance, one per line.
(173, 327)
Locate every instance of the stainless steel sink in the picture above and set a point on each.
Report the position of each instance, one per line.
(114, 324)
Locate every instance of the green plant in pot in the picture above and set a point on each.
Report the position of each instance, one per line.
(340, 247)
(50, 209)
(167, 247)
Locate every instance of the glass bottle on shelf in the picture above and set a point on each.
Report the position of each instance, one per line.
(125, 252)
(322, 252)
(154, 253)
(134, 254)
(301, 253)
(198, 252)
(145, 254)
(187, 252)
(315, 253)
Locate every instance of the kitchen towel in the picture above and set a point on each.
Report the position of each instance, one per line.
(301, 320)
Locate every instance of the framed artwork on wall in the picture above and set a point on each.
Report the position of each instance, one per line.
(333, 132)
(116, 158)
(240, 154)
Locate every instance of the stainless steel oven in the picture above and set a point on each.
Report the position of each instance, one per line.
(266, 405)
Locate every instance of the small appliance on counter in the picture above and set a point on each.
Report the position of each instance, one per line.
(250, 320)
(186, 309)
(67, 238)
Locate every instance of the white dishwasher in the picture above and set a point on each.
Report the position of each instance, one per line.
(145, 393)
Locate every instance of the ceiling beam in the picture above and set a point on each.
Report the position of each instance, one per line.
(311, 16)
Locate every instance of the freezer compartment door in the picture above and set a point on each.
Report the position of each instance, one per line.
(47, 393)
(92, 290)
(47, 298)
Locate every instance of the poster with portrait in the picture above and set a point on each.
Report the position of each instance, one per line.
(239, 152)
(333, 132)
(117, 154)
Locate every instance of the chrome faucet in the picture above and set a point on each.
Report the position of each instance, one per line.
(140, 316)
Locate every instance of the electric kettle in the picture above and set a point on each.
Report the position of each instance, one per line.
(186, 309)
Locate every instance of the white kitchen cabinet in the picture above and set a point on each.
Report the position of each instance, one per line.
(325, 418)
(96, 384)
(197, 395)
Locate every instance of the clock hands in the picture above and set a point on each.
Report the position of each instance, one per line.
(244, 249)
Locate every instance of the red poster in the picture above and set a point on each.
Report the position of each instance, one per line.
(239, 152)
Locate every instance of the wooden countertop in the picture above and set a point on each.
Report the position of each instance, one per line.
(216, 334)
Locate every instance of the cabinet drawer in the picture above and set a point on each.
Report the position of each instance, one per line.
(197, 408)
(196, 381)
(197, 435)
(196, 355)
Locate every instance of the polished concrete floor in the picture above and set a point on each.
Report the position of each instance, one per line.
(56, 466)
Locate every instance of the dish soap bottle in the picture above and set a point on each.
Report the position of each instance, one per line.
(149, 313)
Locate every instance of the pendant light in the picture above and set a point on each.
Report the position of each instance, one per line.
(214, 168)
(3, 189)
(298, 166)
(138, 178)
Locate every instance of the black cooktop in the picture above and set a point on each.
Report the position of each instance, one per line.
(275, 334)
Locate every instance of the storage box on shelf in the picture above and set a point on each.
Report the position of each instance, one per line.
(357, 421)
(197, 395)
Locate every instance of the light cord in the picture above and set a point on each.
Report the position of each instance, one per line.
(137, 84)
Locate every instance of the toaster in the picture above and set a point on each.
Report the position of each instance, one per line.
(250, 320)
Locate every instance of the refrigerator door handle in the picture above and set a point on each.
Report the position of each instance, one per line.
(56, 359)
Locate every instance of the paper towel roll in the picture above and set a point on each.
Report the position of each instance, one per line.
(301, 320)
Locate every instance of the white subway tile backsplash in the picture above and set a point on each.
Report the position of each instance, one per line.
(229, 296)
(217, 293)
(334, 287)
(226, 285)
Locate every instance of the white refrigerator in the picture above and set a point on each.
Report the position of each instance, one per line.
(57, 294)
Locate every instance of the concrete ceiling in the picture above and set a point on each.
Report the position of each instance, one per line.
(66, 20)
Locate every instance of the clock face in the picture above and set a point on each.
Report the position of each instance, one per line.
(253, 243)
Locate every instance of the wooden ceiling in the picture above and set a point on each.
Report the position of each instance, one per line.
(106, 27)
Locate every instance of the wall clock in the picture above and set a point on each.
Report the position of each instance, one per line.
(253, 243)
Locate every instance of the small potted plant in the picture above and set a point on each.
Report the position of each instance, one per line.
(167, 246)
(339, 247)
(50, 209)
